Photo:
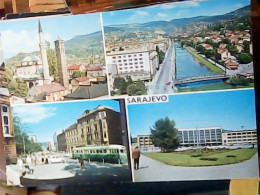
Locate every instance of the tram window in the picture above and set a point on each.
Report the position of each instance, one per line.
(90, 151)
(104, 151)
(97, 151)
(121, 151)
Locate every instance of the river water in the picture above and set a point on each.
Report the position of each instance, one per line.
(188, 66)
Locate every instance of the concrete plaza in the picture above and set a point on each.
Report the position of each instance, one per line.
(152, 170)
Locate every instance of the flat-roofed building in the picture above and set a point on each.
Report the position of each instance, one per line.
(239, 137)
(135, 63)
(205, 136)
(145, 143)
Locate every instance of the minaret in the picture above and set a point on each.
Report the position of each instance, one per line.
(62, 63)
(43, 50)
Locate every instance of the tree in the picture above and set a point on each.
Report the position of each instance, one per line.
(200, 48)
(117, 82)
(233, 50)
(161, 56)
(245, 58)
(77, 74)
(52, 61)
(137, 88)
(209, 53)
(123, 87)
(165, 135)
(23, 144)
(17, 87)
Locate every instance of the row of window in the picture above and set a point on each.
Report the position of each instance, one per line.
(129, 55)
(5, 119)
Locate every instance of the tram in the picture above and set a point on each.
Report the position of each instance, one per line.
(107, 154)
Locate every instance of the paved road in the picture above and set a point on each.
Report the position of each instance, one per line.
(152, 170)
(164, 75)
(70, 172)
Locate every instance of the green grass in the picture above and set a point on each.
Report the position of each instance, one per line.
(184, 158)
(211, 66)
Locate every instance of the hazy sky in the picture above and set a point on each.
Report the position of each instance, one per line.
(228, 109)
(22, 35)
(43, 120)
(173, 10)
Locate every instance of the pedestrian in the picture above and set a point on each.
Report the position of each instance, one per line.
(136, 155)
(81, 161)
(29, 164)
(20, 166)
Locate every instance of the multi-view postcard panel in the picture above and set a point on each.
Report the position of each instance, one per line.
(72, 142)
(54, 59)
(179, 47)
(149, 57)
(200, 136)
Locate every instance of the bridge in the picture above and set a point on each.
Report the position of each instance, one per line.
(200, 78)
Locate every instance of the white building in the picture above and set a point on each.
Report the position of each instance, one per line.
(145, 143)
(239, 137)
(200, 136)
(33, 138)
(137, 63)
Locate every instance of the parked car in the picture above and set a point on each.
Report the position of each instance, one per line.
(55, 159)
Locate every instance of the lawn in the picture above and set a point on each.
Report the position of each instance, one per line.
(185, 159)
(211, 66)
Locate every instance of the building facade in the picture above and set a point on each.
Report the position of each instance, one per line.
(100, 126)
(210, 136)
(137, 63)
(61, 140)
(239, 137)
(6, 126)
(145, 143)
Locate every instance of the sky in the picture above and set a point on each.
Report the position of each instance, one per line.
(173, 10)
(22, 35)
(229, 109)
(43, 120)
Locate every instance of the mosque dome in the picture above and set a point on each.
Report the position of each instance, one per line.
(31, 60)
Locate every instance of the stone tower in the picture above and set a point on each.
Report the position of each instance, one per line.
(62, 63)
(43, 50)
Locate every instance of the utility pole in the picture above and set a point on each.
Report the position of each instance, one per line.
(23, 145)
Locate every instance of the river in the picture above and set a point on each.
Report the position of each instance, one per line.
(188, 66)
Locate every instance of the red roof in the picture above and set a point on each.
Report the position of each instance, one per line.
(81, 79)
(74, 67)
(54, 87)
(97, 68)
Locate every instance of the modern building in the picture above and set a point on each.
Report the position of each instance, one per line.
(100, 126)
(145, 143)
(209, 136)
(239, 137)
(136, 63)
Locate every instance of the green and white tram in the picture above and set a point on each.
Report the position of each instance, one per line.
(107, 154)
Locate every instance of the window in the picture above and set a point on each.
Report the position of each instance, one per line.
(5, 119)
(140, 54)
(130, 60)
(129, 55)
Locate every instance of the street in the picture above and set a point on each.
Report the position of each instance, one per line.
(152, 170)
(70, 172)
(165, 76)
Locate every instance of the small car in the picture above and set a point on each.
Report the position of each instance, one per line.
(168, 83)
(55, 159)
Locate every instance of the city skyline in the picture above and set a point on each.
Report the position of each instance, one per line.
(22, 36)
(174, 10)
(44, 120)
(222, 108)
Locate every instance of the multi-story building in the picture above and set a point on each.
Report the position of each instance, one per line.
(6, 127)
(200, 136)
(62, 144)
(100, 126)
(145, 143)
(136, 63)
(239, 137)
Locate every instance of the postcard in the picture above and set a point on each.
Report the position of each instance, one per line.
(195, 136)
(54, 59)
(70, 142)
(179, 47)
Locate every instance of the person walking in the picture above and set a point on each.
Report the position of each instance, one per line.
(81, 161)
(136, 155)
(20, 166)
